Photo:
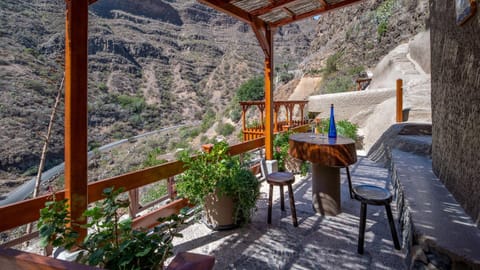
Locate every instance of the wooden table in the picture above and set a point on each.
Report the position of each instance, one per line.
(327, 157)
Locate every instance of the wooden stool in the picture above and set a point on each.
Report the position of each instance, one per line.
(373, 195)
(281, 179)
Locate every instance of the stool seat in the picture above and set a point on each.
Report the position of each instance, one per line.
(372, 194)
(280, 178)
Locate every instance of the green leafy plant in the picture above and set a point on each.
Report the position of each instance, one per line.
(217, 171)
(208, 120)
(135, 104)
(251, 89)
(112, 243)
(333, 62)
(225, 129)
(341, 83)
(345, 128)
(382, 16)
(280, 153)
(52, 225)
(152, 160)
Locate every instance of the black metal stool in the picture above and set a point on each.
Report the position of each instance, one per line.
(373, 195)
(281, 179)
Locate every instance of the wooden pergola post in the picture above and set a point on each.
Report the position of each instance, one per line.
(399, 95)
(269, 95)
(76, 39)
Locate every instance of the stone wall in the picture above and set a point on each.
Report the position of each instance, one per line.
(456, 103)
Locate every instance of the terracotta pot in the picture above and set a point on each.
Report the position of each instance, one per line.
(219, 212)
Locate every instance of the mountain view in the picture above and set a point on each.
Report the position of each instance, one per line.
(156, 64)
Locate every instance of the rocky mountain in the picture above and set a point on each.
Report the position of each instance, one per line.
(151, 64)
(352, 40)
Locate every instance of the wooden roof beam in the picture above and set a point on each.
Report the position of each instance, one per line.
(259, 28)
(314, 12)
(323, 2)
(226, 7)
(289, 12)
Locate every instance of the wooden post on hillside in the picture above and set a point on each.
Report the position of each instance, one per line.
(43, 156)
(399, 101)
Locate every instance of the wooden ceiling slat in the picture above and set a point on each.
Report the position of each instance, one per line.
(270, 7)
(229, 9)
(274, 16)
(314, 12)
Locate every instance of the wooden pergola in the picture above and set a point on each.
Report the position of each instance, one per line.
(264, 16)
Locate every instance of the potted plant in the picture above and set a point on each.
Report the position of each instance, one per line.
(112, 243)
(218, 182)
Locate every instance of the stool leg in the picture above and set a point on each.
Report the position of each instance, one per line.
(270, 195)
(392, 226)
(361, 231)
(292, 206)
(282, 199)
(350, 188)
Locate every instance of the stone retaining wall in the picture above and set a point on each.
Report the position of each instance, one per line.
(436, 232)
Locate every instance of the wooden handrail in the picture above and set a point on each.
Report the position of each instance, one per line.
(16, 259)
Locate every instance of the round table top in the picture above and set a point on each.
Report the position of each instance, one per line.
(338, 152)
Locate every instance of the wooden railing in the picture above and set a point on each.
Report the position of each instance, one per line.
(257, 131)
(30, 209)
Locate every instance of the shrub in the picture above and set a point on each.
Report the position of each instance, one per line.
(154, 192)
(208, 120)
(225, 129)
(333, 62)
(152, 160)
(345, 128)
(253, 89)
(135, 104)
(285, 77)
(102, 87)
(382, 16)
(338, 84)
(235, 113)
(34, 85)
(280, 152)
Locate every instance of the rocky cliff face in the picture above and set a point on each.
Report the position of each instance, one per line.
(361, 34)
(151, 64)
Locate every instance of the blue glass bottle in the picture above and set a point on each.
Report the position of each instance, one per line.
(332, 129)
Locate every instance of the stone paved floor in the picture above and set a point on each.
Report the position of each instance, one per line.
(317, 243)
